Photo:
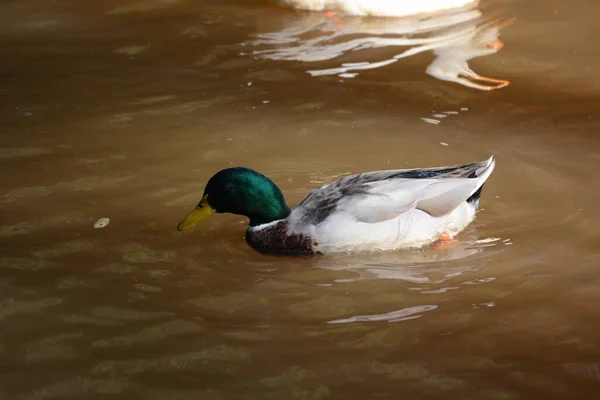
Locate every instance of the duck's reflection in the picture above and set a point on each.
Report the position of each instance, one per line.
(453, 37)
(424, 267)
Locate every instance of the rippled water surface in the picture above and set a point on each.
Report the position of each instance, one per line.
(122, 109)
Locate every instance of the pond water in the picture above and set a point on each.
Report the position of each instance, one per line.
(122, 109)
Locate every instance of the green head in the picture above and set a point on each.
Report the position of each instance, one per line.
(239, 191)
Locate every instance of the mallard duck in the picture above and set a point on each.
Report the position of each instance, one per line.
(382, 210)
(379, 8)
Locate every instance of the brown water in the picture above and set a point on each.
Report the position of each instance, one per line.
(123, 109)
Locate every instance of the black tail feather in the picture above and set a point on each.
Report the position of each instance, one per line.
(475, 196)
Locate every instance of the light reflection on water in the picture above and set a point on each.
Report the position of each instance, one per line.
(404, 314)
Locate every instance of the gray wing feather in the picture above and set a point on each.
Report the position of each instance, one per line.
(378, 196)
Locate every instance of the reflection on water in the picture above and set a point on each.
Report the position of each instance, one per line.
(419, 266)
(453, 37)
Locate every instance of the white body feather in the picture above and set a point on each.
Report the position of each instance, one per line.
(380, 8)
(414, 228)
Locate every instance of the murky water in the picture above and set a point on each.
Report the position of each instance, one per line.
(123, 109)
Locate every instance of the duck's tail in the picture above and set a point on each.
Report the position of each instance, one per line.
(482, 173)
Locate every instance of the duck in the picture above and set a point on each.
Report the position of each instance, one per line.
(379, 8)
(371, 211)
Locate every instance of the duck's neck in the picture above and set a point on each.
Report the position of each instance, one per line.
(269, 210)
(265, 203)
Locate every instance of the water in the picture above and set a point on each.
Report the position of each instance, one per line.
(123, 110)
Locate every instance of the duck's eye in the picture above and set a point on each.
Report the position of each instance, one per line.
(227, 188)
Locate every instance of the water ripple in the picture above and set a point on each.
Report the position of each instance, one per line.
(394, 316)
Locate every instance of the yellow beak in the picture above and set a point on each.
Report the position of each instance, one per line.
(201, 212)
